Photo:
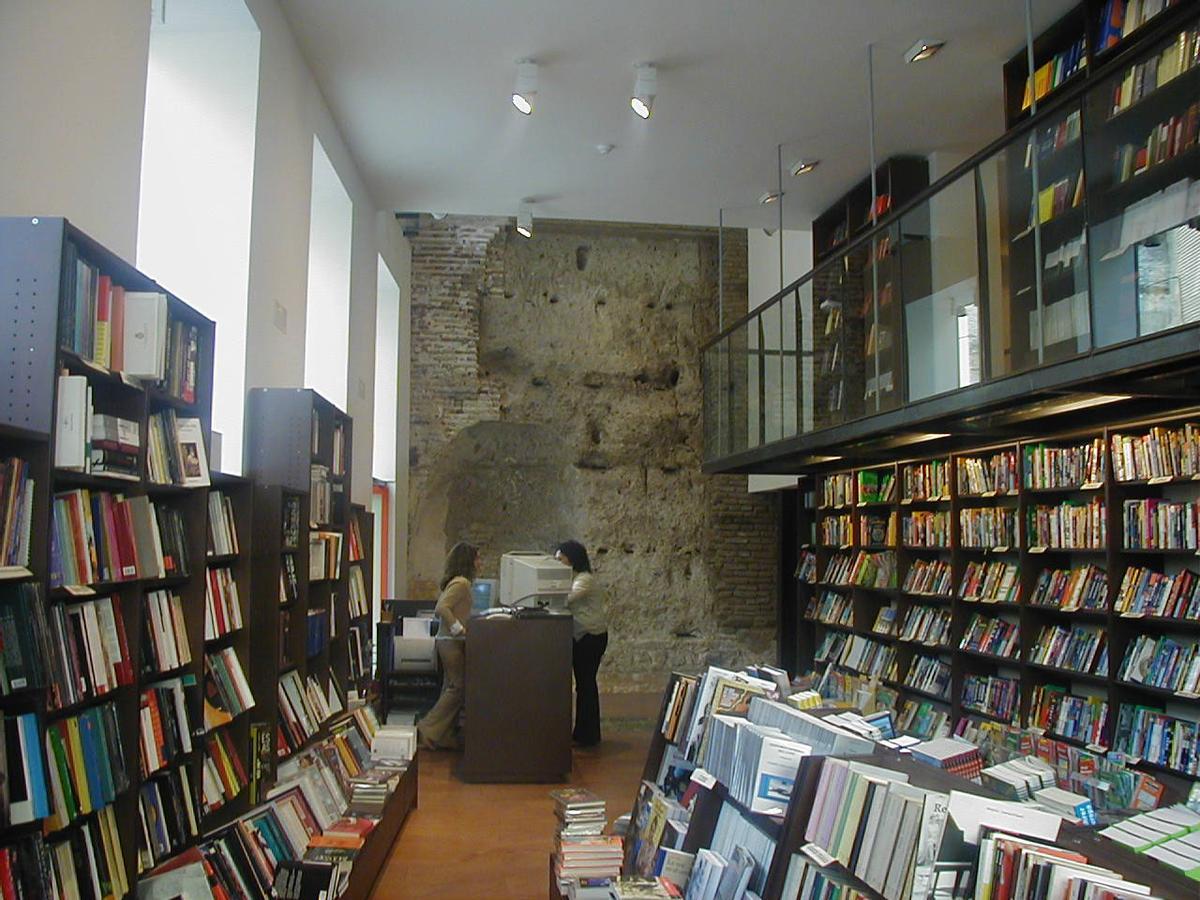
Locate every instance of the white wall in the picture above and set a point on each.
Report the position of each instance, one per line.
(194, 217)
(72, 95)
(763, 277)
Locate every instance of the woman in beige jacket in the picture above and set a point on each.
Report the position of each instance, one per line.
(438, 729)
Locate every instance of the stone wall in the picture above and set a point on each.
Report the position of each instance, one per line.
(556, 393)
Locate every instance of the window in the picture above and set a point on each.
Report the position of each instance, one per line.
(327, 319)
(196, 180)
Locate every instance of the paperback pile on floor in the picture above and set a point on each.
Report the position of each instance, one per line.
(586, 861)
(304, 838)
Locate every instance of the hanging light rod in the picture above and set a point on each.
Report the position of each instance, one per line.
(923, 49)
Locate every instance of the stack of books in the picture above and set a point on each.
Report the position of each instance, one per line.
(957, 757)
(581, 852)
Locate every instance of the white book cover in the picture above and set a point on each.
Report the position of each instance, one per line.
(145, 334)
(71, 423)
(776, 774)
(189, 436)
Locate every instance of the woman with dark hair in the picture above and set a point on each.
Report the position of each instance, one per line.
(586, 604)
(438, 729)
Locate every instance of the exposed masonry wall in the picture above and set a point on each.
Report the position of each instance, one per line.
(556, 393)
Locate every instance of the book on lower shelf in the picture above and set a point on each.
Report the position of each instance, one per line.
(222, 525)
(165, 726)
(223, 775)
(226, 691)
(170, 821)
(86, 761)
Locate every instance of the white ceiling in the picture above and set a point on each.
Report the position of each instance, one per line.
(421, 91)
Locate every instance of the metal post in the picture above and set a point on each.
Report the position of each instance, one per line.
(874, 217)
(720, 270)
(1036, 214)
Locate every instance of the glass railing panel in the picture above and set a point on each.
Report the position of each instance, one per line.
(837, 335)
(714, 400)
(1143, 171)
(882, 348)
(737, 359)
(764, 377)
(937, 257)
(1033, 212)
(807, 318)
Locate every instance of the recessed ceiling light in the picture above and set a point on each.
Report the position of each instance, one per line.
(769, 197)
(525, 221)
(525, 87)
(804, 166)
(645, 87)
(923, 49)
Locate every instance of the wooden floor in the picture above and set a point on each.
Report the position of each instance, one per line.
(469, 841)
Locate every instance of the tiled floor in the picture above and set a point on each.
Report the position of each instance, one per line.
(470, 842)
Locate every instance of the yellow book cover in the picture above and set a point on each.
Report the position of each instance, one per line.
(1046, 205)
(78, 766)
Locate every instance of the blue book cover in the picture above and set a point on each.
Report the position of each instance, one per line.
(32, 747)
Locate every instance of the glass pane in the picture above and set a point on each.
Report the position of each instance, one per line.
(713, 395)
(879, 263)
(736, 362)
(808, 320)
(771, 368)
(939, 270)
(1034, 215)
(831, 394)
(1141, 167)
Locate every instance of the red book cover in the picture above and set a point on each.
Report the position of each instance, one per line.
(125, 666)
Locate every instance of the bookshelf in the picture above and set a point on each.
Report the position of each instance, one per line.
(229, 560)
(1084, 38)
(1052, 574)
(351, 649)
(897, 179)
(106, 650)
(298, 452)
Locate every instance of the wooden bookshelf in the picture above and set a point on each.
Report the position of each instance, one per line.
(290, 432)
(345, 644)
(42, 281)
(1030, 556)
(239, 564)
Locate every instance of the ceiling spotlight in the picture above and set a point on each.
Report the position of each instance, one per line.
(644, 89)
(605, 149)
(525, 221)
(769, 197)
(923, 49)
(804, 166)
(525, 88)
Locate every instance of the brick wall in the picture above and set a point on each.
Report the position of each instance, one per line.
(556, 393)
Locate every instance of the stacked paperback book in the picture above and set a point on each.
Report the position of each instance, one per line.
(584, 858)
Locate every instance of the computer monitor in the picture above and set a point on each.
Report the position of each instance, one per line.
(484, 594)
(530, 578)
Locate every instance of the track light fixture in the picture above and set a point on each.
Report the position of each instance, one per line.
(769, 197)
(804, 166)
(525, 220)
(525, 88)
(645, 86)
(923, 49)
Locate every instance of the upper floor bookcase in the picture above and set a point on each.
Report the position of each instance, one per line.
(1088, 35)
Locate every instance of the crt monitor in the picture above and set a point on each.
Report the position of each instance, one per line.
(530, 578)
(484, 594)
